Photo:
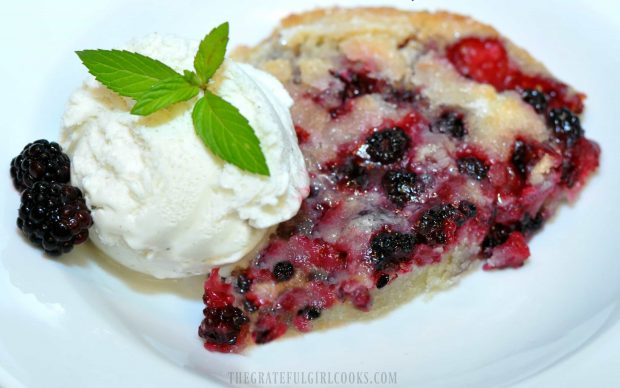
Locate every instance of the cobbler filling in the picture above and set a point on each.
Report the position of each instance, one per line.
(380, 207)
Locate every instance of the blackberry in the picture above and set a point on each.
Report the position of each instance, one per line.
(450, 123)
(521, 157)
(401, 96)
(310, 312)
(317, 276)
(249, 306)
(387, 145)
(467, 211)
(352, 173)
(243, 283)
(264, 336)
(529, 224)
(54, 216)
(222, 326)
(402, 186)
(40, 161)
(358, 84)
(473, 167)
(565, 125)
(283, 271)
(431, 227)
(267, 328)
(535, 98)
(498, 234)
(355, 83)
(383, 280)
(301, 224)
(391, 248)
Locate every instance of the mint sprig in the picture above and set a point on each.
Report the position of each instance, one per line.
(211, 53)
(163, 94)
(155, 86)
(126, 73)
(227, 133)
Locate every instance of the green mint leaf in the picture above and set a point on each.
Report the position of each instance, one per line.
(192, 78)
(126, 73)
(211, 52)
(163, 94)
(228, 134)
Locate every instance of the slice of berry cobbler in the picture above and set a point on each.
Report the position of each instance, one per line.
(432, 143)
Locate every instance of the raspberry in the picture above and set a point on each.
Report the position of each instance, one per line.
(387, 145)
(40, 161)
(580, 160)
(511, 254)
(486, 60)
(267, 329)
(483, 60)
(54, 216)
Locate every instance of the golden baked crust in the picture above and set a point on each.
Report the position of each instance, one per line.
(397, 25)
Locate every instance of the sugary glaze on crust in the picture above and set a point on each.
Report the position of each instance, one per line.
(432, 143)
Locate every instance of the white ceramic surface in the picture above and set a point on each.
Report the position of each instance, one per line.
(84, 322)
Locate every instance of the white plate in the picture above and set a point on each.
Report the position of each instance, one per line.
(85, 322)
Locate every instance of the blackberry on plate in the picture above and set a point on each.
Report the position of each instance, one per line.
(40, 161)
(54, 216)
(387, 145)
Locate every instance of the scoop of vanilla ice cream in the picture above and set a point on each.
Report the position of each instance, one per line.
(162, 203)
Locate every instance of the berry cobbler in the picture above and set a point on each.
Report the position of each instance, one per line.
(432, 144)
